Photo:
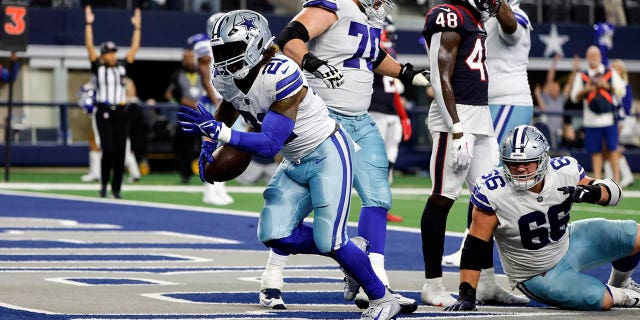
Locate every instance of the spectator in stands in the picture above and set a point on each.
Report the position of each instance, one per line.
(597, 88)
(552, 98)
(615, 12)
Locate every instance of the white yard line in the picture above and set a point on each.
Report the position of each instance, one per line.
(197, 189)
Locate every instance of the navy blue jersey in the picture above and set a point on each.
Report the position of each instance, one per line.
(470, 77)
(384, 90)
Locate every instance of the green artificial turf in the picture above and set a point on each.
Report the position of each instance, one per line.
(408, 206)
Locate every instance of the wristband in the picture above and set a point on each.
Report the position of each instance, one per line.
(456, 128)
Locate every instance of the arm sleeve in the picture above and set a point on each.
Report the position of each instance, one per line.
(276, 129)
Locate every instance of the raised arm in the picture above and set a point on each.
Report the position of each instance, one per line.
(576, 66)
(507, 19)
(551, 73)
(88, 33)
(136, 21)
(538, 93)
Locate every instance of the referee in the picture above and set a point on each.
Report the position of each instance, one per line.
(109, 75)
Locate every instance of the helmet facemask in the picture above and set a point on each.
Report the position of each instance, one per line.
(524, 144)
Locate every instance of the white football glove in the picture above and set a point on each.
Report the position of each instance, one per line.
(461, 154)
(418, 78)
(330, 75)
(321, 69)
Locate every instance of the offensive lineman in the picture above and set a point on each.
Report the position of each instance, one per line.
(336, 42)
(526, 206)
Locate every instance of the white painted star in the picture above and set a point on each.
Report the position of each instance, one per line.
(553, 41)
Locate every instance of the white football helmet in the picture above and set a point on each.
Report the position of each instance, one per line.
(377, 9)
(212, 20)
(238, 40)
(524, 144)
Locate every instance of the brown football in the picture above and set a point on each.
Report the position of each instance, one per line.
(228, 163)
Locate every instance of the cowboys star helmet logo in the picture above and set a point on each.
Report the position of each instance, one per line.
(247, 23)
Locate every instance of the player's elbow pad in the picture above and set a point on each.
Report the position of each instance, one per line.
(614, 190)
(477, 254)
(293, 30)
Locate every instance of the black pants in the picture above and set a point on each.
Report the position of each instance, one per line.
(113, 128)
(186, 148)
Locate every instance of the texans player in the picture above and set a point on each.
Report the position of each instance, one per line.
(526, 206)
(460, 126)
(272, 94)
(337, 44)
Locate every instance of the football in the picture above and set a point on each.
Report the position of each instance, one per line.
(228, 163)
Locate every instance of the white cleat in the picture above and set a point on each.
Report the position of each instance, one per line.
(407, 305)
(272, 299)
(384, 308)
(452, 260)
(631, 299)
(492, 293)
(89, 178)
(629, 284)
(434, 294)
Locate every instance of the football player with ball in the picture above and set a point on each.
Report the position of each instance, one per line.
(271, 93)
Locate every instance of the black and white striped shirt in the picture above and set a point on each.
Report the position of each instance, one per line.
(110, 82)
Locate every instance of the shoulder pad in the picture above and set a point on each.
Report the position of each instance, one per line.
(330, 5)
(286, 74)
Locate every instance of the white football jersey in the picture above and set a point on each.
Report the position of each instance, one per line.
(279, 79)
(532, 232)
(351, 45)
(507, 60)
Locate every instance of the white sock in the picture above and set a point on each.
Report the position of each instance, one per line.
(95, 158)
(272, 277)
(377, 263)
(617, 294)
(131, 163)
(617, 278)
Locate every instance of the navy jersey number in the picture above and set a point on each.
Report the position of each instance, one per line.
(368, 35)
(559, 162)
(493, 180)
(534, 232)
